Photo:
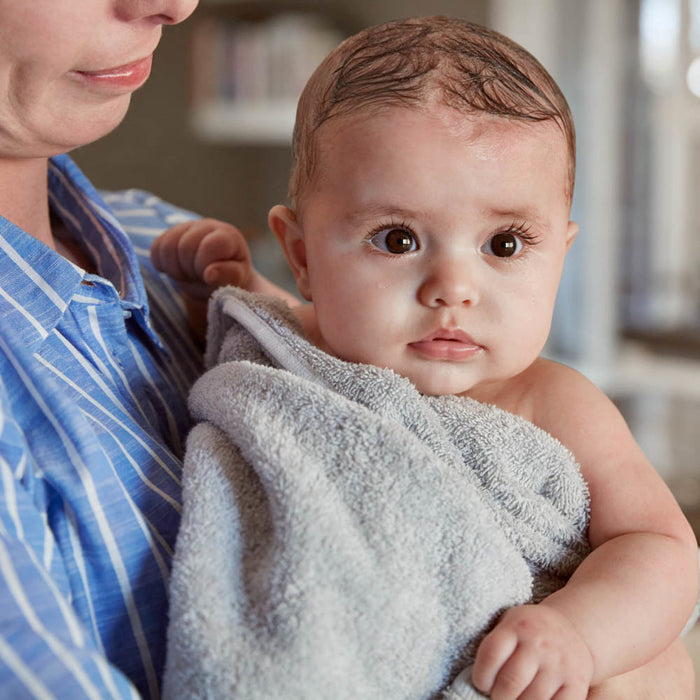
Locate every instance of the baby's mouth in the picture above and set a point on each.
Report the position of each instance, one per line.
(451, 344)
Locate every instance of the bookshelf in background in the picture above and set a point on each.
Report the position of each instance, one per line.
(248, 70)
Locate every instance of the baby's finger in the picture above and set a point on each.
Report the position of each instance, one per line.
(545, 686)
(221, 244)
(493, 652)
(556, 681)
(164, 250)
(234, 272)
(515, 676)
(190, 244)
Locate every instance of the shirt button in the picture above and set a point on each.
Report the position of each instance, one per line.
(127, 313)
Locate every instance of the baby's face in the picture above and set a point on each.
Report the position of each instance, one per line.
(434, 243)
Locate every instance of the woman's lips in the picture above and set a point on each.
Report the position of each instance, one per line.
(124, 78)
(447, 344)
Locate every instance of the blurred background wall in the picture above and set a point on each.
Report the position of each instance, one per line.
(210, 132)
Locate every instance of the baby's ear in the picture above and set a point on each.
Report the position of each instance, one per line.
(283, 223)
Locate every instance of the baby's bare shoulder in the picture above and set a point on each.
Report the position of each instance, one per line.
(557, 397)
(553, 396)
(543, 372)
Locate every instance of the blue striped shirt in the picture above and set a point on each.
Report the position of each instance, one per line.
(94, 373)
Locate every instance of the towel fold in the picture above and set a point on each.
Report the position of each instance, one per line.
(344, 536)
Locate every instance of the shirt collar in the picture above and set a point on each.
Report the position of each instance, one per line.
(86, 215)
(73, 198)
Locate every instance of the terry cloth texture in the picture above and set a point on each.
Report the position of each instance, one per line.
(345, 536)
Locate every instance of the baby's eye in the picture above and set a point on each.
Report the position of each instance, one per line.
(394, 240)
(503, 245)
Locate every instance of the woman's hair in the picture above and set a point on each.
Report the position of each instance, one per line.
(410, 62)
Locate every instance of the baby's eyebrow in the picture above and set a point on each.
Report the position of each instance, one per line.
(372, 210)
(519, 212)
(525, 213)
(369, 211)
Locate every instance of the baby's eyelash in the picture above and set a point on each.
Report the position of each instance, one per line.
(522, 230)
(388, 224)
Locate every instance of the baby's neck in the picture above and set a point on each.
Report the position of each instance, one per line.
(306, 315)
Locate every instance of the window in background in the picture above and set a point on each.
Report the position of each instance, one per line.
(628, 313)
(661, 279)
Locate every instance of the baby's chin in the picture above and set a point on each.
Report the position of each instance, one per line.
(436, 385)
(432, 378)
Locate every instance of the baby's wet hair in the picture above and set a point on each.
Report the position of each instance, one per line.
(415, 61)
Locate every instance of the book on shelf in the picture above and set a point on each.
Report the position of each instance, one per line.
(261, 61)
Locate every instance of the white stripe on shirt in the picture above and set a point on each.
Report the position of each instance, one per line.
(53, 642)
(106, 533)
(10, 300)
(102, 409)
(29, 272)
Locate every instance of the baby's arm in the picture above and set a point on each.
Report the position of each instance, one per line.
(631, 596)
(204, 254)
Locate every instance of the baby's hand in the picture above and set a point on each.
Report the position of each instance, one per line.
(202, 255)
(533, 653)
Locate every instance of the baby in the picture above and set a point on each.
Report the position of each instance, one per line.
(428, 225)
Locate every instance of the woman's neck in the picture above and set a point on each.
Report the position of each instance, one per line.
(24, 196)
(24, 200)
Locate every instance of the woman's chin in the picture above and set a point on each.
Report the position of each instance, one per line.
(84, 126)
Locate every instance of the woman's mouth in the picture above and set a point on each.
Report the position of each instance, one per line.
(453, 345)
(119, 79)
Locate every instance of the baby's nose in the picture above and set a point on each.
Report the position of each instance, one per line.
(450, 282)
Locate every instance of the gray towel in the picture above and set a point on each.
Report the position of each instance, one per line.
(344, 536)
